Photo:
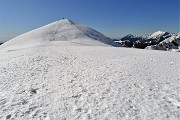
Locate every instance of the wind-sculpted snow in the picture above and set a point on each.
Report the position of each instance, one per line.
(63, 82)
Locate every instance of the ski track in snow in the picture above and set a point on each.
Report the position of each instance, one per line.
(81, 82)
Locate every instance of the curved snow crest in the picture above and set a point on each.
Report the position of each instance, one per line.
(62, 30)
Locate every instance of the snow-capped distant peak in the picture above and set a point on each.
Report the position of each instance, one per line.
(157, 34)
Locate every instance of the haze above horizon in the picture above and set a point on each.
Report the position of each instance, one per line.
(114, 18)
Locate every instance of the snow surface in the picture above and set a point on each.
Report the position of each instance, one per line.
(60, 80)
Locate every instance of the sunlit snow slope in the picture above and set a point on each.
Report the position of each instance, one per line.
(64, 80)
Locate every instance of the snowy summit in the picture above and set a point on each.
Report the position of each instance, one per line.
(63, 30)
(68, 71)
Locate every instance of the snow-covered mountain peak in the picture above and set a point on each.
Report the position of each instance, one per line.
(130, 36)
(64, 31)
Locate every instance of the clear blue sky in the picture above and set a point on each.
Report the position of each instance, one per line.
(114, 18)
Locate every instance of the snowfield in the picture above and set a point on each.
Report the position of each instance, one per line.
(65, 80)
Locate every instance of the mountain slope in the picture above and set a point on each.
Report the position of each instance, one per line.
(65, 31)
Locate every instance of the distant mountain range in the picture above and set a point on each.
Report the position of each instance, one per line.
(159, 40)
